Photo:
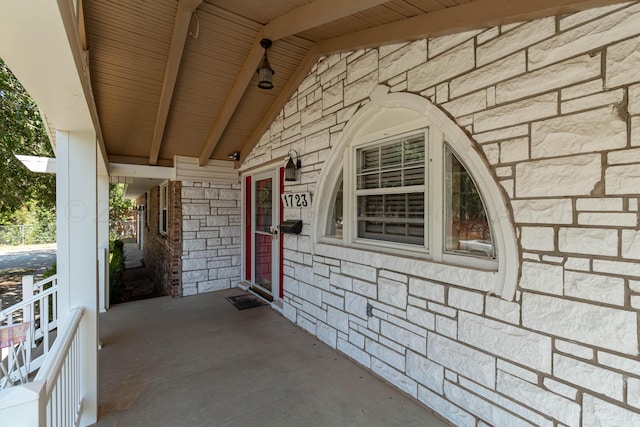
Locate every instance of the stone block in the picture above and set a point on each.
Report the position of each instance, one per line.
(333, 71)
(341, 282)
(195, 209)
(190, 225)
(489, 75)
(332, 95)
(355, 305)
(502, 134)
(560, 388)
(517, 371)
(449, 411)
(192, 193)
(327, 334)
(585, 38)
(421, 317)
(590, 241)
(425, 371)
(633, 392)
(579, 18)
(598, 413)
(611, 99)
(440, 45)
(574, 349)
(624, 179)
(590, 324)
(194, 244)
(623, 60)
(467, 104)
(589, 376)
(591, 131)
(500, 309)
(611, 204)
(515, 113)
(217, 221)
(532, 396)
(481, 408)
(633, 101)
(620, 363)
(385, 354)
(544, 211)
(360, 89)
(563, 74)
(594, 287)
(464, 360)
(214, 285)
(514, 150)
(402, 60)
(195, 276)
(194, 264)
(359, 271)
(394, 377)
(354, 353)
(447, 327)
(506, 341)
(515, 40)
(542, 277)
(466, 300)
(537, 238)
(365, 64)
(392, 292)
(338, 319)
(441, 68)
(582, 90)
(403, 337)
(565, 176)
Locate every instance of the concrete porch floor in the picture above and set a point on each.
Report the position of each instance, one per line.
(198, 361)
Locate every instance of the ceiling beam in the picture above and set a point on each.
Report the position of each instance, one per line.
(467, 16)
(303, 18)
(178, 39)
(314, 15)
(285, 94)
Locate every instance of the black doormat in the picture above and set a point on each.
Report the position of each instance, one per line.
(244, 301)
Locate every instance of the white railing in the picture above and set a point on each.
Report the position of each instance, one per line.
(54, 398)
(61, 400)
(39, 309)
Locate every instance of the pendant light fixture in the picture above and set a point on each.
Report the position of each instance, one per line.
(265, 72)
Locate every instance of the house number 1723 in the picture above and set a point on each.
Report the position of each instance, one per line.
(296, 200)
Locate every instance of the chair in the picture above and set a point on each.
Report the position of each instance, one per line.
(13, 338)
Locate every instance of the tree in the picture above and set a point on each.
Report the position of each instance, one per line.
(120, 209)
(21, 132)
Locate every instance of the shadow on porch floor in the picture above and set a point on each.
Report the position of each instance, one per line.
(198, 361)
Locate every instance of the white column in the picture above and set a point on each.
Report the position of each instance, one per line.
(77, 220)
(103, 242)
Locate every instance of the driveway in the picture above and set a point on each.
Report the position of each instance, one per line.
(18, 261)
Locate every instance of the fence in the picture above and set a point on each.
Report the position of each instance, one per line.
(27, 234)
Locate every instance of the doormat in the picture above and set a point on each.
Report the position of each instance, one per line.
(244, 301)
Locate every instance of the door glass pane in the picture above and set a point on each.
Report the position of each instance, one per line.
(467, 228)
(263, 260)
(264, 214)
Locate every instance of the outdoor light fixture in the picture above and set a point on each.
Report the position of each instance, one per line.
(265, 72)
(291, 167)
(234, 156)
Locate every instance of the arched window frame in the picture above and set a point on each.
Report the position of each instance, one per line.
(394, 114)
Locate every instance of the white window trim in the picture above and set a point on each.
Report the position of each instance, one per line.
(392, 114)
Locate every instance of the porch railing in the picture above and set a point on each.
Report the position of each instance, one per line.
(39, 309)
(54, 398)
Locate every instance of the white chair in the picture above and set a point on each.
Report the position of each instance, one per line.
(13, 338)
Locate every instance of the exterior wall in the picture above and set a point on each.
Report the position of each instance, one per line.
(163, 254)
(554, 106)
(211, 224)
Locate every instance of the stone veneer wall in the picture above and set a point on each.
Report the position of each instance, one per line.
(211, 233)
(554, 105)
(162, 254)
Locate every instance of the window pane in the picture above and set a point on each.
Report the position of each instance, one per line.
(392, 217)
(467, 229)
(392, 164)
(264, 217)
(334, 227)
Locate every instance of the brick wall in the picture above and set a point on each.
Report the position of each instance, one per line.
(163, 253)
(211, 223)
(554, 107)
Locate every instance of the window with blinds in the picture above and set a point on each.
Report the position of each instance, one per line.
(390, 188)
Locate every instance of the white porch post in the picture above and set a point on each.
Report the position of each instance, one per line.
(77, 220)
(103, 242)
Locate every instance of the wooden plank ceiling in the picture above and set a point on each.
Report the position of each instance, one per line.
(177, 77)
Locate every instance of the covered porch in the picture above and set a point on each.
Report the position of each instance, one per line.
(198, 361)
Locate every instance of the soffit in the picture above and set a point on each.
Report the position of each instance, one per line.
(213, 105)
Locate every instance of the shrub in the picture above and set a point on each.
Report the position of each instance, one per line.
(116, 271)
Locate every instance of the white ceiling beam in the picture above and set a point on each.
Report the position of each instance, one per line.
(301, 19)
(141, 171)
(38, 164)
(315, 14)
(178, 39)
(467, 16)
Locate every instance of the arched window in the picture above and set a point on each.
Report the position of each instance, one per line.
(406, 180)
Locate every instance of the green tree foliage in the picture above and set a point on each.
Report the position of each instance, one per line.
(120, 209)
(21, 132)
